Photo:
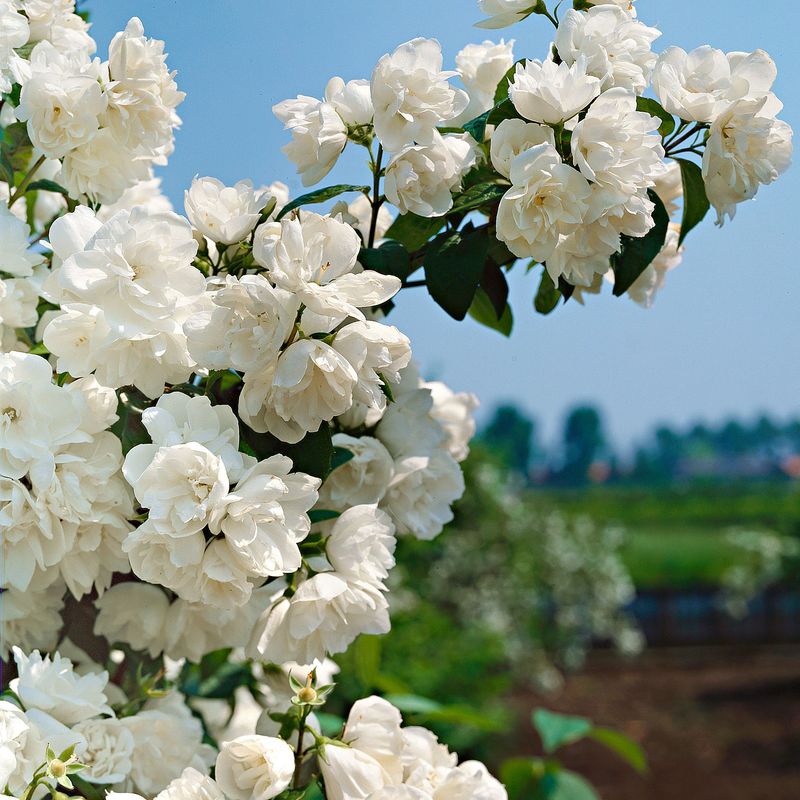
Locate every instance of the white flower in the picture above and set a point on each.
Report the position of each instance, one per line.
(669, 187)
(616, 145)
(377, 352)
(18, 301)
(350, 773)
(616, 46)
(225, 214)
(352, 101)
(584, 254)
(14, 33)
(361, 544)
(191, 785)
(37, 418)
(408, 427)
(108, 750)
(363, 479)
(254, 767)
(31, 617)
(421, 178)
(373, 727)
(487, 786)
(133, 614)
(482, 67)
(167, 739)
(699, 85)
(310, 384)
(266, 516)
(411, 94)
(325, 615)
(361, 212)
(240, 323)
(318, 136)
(146, 193)
(61, 101)
(547, 198)
(142, 93)
(15, 258)
(550, 92)
(50, 685)
(182, 485)
(102, 170)
(179, 418)
(14, 728)
(221, 578)
(315, 257)
(503, 13)
(511, 137)
(746, 147)
(454, 412)
(421, 493)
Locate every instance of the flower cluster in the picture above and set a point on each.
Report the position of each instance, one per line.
(58, 705)
(64, 505)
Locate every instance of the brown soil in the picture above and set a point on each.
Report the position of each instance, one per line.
(716, 723)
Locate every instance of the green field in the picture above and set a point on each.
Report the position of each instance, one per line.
(677, 537)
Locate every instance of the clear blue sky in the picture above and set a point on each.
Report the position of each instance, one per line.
(723, 335)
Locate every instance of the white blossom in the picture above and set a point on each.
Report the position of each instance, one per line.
(361, 544)
(15, 257)
(363, 479)
(133, 614)
(503, 13)
(412, 96)
(454, 412)
(513, 136)
(254, 767)
(225, 214)
(191, 785)
(108, 750)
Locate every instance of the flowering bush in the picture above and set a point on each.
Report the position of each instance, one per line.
(210, 437)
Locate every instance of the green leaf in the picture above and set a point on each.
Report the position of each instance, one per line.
(637, 254)
(341, 455)
(320, 196)
(6, 168)
(46, 185)
(521, 777)
(331, 724)
(367, 656)
(695, 199)
(501, 93)
(482, 310)
(413, 231)
(627, 749)
(481, 195)
(557, 730)
(17, 146)
(129, 428)
(566, 288)
(494, 116)
(312, 454)
(88, 790)
(654, 108)
(391, 258)
(323, 514)
(547, 295)
(568, 785)
(413, 704)
(453, 268)
(494, 283)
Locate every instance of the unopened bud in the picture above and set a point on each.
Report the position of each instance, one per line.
(58, 768)
(307, 695)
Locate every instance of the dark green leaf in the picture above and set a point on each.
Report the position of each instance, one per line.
(331, 724)
(482, 310)
(17, 146)
(623, 746)
(312, 454)
(323, 514)
(129, 428)
(341, 455)
(547, 296)
(391, 258)
(566, 288)
(494, 116)
(6, 168)
(413, 231)
(557, 730)
(654, 108)
(485, 195)
(638, 253)
(494, 283)
(695, 199)
(320, 196)
(499, 253)
(88, 790)
(46, 185)
(453, 268)
(367, 656)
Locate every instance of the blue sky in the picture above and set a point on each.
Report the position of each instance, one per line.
(722, 337)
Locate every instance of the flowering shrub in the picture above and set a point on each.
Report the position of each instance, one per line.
(210, 437)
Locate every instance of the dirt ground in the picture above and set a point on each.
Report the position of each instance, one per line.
(716, 723)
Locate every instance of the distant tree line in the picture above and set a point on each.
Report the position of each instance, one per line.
(761, 449)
